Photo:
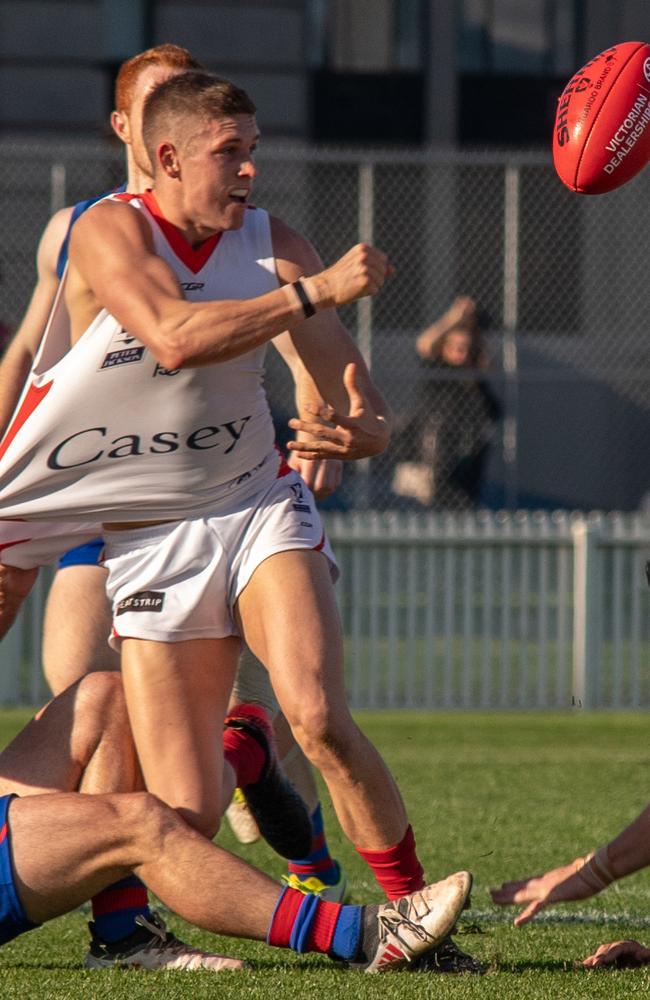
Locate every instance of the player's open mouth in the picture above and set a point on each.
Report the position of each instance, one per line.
(239, 195)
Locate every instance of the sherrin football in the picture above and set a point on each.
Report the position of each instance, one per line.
(602, 126)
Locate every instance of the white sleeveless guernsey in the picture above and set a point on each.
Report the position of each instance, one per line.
(105, 433)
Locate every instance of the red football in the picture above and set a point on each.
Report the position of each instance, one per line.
(602, 126)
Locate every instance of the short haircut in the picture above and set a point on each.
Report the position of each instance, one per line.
(168, 55)
(194, 97)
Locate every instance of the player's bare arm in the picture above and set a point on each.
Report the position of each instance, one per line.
(584, 877)
(113, 265)
(19, 357)
(355, 420)
(322, 476)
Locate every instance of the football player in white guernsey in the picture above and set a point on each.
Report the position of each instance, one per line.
(248, 559)
(244, 563)
(76, 644)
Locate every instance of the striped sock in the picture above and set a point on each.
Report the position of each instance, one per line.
(305, 922)
(319, 862)
(116, 907)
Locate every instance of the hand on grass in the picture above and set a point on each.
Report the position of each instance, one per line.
(624, 954)
(560, 885)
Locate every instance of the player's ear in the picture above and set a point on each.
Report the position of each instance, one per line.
(120, 125)
(168, 159)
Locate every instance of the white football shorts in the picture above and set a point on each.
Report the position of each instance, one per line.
(181, 580)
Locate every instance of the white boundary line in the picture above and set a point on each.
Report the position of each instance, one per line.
(554, 917)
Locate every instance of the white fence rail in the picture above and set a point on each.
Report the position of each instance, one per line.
(481, 610)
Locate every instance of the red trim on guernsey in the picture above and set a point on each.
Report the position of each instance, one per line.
(193, 257)
(19, 541)
(35, 395)
(3, 832)
(320, 545)
(285, 468)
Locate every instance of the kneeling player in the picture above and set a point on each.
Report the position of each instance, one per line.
(106, 837)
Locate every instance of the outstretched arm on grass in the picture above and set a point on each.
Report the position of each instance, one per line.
(583, 877)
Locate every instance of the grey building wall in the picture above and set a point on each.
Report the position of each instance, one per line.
(58, 57)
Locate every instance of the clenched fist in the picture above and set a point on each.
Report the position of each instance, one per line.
(360, 272)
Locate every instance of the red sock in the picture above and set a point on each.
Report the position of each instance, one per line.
(303, 922)
(397, 869)
(243, 752)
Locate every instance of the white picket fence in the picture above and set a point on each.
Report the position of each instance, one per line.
(477, 610)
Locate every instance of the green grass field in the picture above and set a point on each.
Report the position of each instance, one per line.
(502, 795)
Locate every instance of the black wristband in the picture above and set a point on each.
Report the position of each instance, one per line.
(306, 303)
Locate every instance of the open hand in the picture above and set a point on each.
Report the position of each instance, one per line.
(560, 885)
(359, 434)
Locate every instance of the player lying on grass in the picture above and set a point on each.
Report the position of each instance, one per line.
(57, 850)
(583, 878)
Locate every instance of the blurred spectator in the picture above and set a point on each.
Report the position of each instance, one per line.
(447, 438)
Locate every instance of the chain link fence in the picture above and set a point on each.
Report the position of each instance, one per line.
(558, 417)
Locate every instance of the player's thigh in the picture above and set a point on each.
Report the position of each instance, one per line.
(177, 695)
(51, 752)
(77, 626)
(289, 618)
(67, 847)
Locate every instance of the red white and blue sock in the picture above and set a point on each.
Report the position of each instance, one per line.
(116, 907)
(397, 869)
(304, 922)
(319, 863)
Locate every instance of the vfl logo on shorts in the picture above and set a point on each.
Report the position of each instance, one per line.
(299, 503)
(146, 600)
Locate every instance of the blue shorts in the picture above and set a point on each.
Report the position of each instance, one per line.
(12, 916)
(83, 555)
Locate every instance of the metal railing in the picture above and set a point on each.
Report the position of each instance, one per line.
(466, 610)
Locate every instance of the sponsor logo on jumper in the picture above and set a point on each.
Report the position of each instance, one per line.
(145, 600)
(124, 357)
(159, 370)
(646, 69)
(192, 286)
(92, 444)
